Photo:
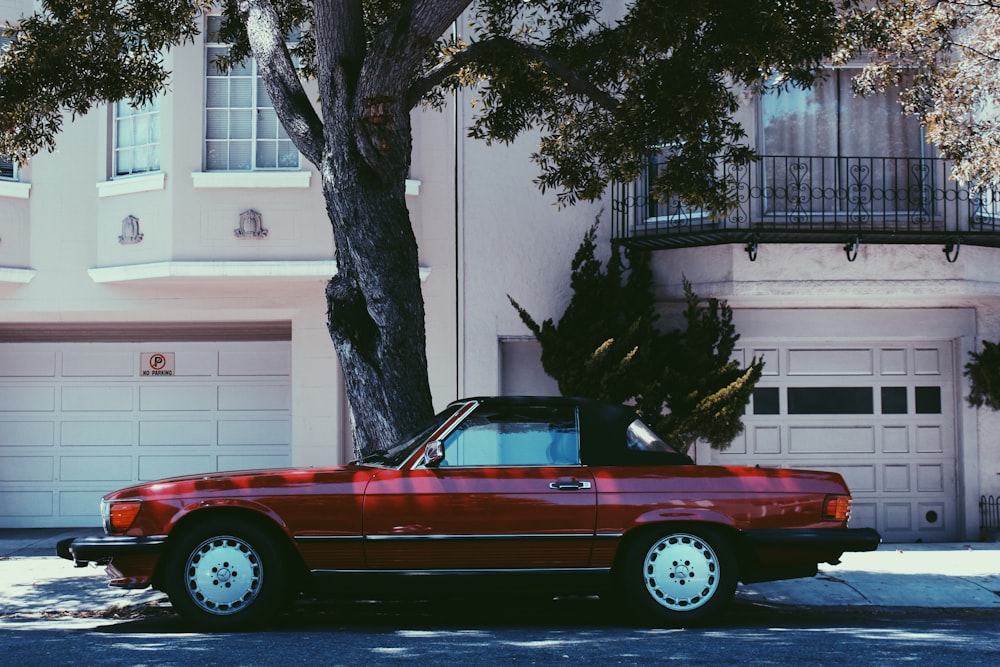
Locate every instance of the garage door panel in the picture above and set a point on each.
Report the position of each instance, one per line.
(177, 398)
(772, 361)
(27, 434)
(931, 478)
(898, 517)
(167, 433)
(195, 363)
(97, 433)
(859, 478)
(27, 361)
(831, 440)
(97, 398)
(896, 478)
(258, 432)
(96, 469)
(892, 361)
(254, 361)
(156, 467)
(243, 397)
(767, 440)
(27, 399)
(25, 504)
(80, 504)
(85, 361)
(895, 440)
(824, 361)
(863, 514)
(927, 361)
(26, 468)
(930, 440)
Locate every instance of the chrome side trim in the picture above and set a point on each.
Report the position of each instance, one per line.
(329, 538)
(458, 571)
(489, 537)
(485, 537)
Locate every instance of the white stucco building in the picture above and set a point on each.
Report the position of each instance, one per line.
(162, 309)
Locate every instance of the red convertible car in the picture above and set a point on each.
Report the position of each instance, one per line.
(562, 494)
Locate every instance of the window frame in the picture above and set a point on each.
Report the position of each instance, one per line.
(257, 105)
(512, 422)
(152, 112)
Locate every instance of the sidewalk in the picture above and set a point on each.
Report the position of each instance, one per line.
(34, 583)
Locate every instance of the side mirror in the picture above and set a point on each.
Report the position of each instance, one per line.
(433, 454)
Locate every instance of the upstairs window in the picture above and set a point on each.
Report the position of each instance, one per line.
(136, 137)
(826, 150)
(8, 168)
(242, 132)
(829, 120)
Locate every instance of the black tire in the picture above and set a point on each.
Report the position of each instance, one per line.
(226, 574)
(678, 577)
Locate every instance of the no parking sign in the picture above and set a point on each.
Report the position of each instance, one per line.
(157, 364)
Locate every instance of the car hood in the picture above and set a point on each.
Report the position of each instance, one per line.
(249, 480)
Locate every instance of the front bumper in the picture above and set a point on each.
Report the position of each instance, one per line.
(101, 549)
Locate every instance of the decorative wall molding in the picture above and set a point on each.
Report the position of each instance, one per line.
(215, 269)
(251, 226)
(130, 231)
(316, 268)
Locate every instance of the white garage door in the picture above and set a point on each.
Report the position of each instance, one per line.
(78, 420)
(882, 415)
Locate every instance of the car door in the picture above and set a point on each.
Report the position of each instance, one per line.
(509, 493)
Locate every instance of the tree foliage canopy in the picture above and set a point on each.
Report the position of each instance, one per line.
(602, 82)
(946, 55)
(683, 382)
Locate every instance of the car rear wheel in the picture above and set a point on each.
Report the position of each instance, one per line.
(226, 574)
(679, 577)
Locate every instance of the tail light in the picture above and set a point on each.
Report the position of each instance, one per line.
(836, 508)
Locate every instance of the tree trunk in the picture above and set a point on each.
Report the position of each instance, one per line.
(375, 306)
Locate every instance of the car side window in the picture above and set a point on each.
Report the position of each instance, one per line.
(514, 438)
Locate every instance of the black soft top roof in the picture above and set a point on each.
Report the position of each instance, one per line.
(603, 428)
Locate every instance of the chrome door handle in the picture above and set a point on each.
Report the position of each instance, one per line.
(569, 486)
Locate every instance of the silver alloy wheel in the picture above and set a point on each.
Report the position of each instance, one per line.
(223, 575)
(681, 572)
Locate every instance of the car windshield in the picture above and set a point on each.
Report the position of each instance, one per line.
(395, 456)
(642, 438)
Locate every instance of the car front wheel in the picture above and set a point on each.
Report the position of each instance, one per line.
(225, 575)
(679, 577)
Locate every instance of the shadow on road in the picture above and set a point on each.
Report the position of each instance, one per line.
(576, 613)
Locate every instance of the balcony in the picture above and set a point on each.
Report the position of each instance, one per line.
(802, 199)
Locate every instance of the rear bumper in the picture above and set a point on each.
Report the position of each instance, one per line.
(816, 539)
(772, 555)
(102, 548)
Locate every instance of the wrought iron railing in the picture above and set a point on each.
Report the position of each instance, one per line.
(817, 199)
(989, 516)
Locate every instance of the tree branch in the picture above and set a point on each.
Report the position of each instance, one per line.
(505, 45)
(291, 103)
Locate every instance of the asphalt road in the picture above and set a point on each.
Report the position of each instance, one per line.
(564, 632)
